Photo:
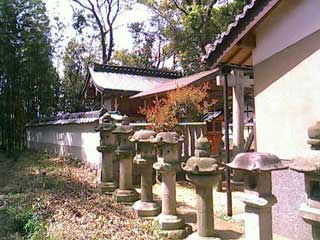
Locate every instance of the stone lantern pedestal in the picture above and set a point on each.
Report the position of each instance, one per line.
(204, 173)
(168, 164)
(258, 196)
(125, 193)
(310, 166)
(107, 146)
(145, 157)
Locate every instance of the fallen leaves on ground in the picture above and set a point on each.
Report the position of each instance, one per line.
(65, 197)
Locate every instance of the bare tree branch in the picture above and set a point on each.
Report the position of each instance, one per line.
(82, 5)
(180, 8)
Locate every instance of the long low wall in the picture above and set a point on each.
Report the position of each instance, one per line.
(75, 134)
(61, 137)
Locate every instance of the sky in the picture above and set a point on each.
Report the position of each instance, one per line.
(123, 40)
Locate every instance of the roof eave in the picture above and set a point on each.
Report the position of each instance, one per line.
(245, 22)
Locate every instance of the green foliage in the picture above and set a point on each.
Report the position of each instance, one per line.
(75, 62)
(188, 26)
(24, 221)
(98, 19)
(28, 81)
(142, 54)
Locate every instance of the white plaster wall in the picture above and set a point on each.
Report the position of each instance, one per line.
(290, 22)
(80, 140)
(287, 98)
(287, 101)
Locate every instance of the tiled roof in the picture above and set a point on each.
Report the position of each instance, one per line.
(251, 13)
(180, 82)
(129, 79)
(68, 118)
(148, 72)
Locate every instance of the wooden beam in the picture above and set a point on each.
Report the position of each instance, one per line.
(246, 80)
(233, 55)
(248, 41)
(245, 59)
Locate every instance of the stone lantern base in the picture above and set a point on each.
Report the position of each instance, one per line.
(126, 196)
(170, 222)
(311, 216)
(195, 236)
(107, 187)
(146, 209)
(176, 234)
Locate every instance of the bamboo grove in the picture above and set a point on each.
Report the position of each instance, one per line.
(28, 80)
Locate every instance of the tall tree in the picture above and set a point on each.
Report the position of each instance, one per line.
(189, 25)
(28, 80)
(99, 15)
(142, 54)
(75, 62)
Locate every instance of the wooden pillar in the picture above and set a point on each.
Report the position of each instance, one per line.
(238, 110)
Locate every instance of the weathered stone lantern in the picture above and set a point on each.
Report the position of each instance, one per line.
(310, 166)
(145, 157)
(258, 197)
(107, 147)
(204, 172)
(125, 192)
(168, 164)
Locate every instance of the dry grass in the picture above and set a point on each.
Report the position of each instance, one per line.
(62, 196)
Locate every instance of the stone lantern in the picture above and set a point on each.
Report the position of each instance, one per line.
(107, 147)
(168, 164)
(310, 166)
(205, 173)
(145, 157)
(258, 197)
(125, 192)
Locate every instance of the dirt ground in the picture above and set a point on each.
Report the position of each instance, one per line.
(43, 198)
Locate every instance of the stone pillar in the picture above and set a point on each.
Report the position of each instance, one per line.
(167, 165)
(107, 146)
(310, 166)
(145, 157)
(204, 172)
(125, 193)
(258, 197)
(258, 206)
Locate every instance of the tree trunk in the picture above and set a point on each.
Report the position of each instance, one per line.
(110, 47)
(104, 48)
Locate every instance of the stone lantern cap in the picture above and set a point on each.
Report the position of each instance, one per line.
(125, 129)
(202, 164)
(307, 164)
(314, 135)
(143, 136)
(105, 127)
(255, 161)
(167, 137)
